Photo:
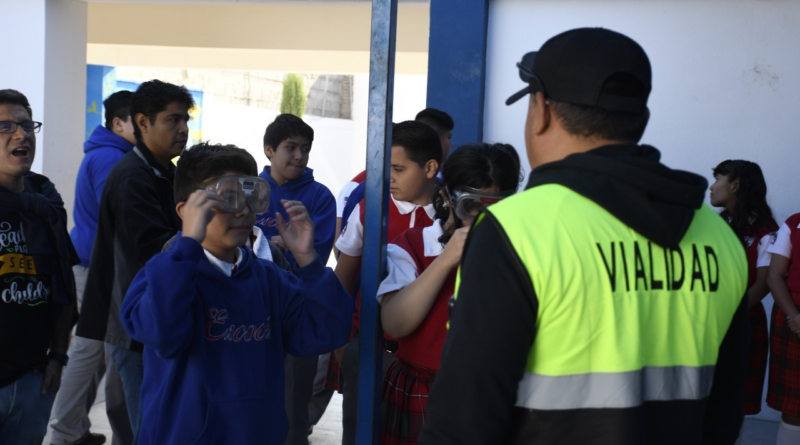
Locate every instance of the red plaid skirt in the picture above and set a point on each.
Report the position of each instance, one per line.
(759, 348)
(405, 403)
(333, 378)
(783, 393)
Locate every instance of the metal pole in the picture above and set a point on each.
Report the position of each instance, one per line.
(379, 144)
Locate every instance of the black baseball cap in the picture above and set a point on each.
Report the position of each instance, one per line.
(594, 67)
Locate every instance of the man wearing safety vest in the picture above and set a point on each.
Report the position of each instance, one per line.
(603, 305)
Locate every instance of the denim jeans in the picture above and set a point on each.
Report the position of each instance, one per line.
(130, 367)
(24, 411)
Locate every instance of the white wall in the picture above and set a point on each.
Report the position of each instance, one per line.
(339, 150)
(409, 99)
(27, 74)
(726, 79)
(51, 71)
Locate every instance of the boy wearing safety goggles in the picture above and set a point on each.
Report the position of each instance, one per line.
(216, 321)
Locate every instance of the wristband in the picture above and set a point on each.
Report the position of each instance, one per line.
(61, 358)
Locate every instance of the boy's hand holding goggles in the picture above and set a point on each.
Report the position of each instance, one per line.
(237, 192)
(467, 202)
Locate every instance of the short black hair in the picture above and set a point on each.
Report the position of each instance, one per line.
(14, 97)
(438, 119)
(152, 97)
(117, 105)
(585, 121)
(284, 127)
(203, 161)
(419, 140)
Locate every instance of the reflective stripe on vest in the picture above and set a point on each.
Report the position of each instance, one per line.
(615, 389)
(620, 320)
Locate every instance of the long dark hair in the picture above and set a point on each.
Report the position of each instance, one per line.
(478, 165)
(751, 206)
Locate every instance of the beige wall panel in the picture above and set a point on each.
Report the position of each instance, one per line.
(336, 27)
(322, 62)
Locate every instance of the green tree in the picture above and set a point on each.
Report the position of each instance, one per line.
(293, 100)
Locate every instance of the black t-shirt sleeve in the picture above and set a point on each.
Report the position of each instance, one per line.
(492, 329)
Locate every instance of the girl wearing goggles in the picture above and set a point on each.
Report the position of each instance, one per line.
(422, 266)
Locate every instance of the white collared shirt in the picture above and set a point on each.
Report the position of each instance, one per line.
(401, 268)
(223, 266)
(351, 240)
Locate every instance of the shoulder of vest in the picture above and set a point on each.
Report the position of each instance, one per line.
(542, 194)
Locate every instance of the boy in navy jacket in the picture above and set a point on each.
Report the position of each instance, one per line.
(287, 144)
(216, 321)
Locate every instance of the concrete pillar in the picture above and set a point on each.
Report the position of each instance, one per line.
(48, 65)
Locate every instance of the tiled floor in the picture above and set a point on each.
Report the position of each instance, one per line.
(329, 430)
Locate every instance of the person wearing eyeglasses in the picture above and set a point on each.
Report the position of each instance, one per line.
(216, 321)
(605, 304)
(37, 287)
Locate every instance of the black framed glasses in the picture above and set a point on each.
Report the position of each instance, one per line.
(29, 127)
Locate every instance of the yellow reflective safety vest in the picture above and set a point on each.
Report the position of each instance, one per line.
(621, 320)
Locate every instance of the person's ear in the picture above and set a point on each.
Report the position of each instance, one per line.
(542, 114)
(142, 122)
(179, 209)
(735, 186)
(431, 169)
(269, 151)
(117, 125)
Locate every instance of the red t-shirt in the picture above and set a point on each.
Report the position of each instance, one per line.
(403, 215)
(787, 244)
(407, 257)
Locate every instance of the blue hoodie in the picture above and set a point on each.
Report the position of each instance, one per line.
(214, 345)
(103, 150)
(318, 200)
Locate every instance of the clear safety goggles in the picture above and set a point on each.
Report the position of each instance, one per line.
(468, 202)
(238, 192)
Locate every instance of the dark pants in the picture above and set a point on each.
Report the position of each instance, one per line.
(350, 389)
(130, 366)
(322, 395)
(300, 372)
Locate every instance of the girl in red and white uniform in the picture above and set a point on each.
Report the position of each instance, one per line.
(421, 279)
(741, 191)
(783, 393)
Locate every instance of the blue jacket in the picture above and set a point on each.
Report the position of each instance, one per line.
(214, 345)
(318, 200)
(103, 150)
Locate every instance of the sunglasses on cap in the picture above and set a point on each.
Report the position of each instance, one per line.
(238, 192)
(535, 85)
(469, 202)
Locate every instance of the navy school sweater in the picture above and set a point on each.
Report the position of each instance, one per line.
(214, 345)
(318, 200)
